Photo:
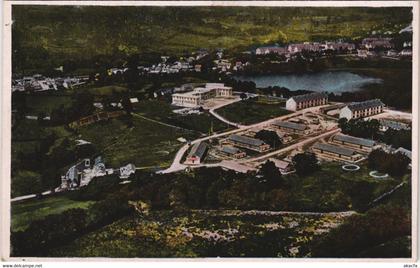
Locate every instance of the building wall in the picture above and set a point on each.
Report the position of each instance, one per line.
(291, 105)
(347, 113)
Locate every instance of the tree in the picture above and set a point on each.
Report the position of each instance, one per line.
(127, 105)
(270, 175)
(243, 96)
(305, 163)
(391, 163)
(269, 137)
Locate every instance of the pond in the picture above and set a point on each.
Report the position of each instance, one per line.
(331, 81)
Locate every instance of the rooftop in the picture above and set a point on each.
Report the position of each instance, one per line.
(281, 164)
(246, 140)
(198, 150)
(310, 96)
(290, 125)
(334, 149)
(354, 140)
(230, 150)
(357, 106)
(404, 152)
(394, 124)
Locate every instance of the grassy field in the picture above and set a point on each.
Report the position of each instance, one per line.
(146, 144)
(105, 91)
(331, 186)
(23, 213)
(38, 103)
(252, 111)
(161, 111)
(202, 234)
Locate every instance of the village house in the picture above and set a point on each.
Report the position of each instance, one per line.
(377, 42)
(406, 52)
(392, 53)
(231, 151)
(290, 127)
(125, 171)
(364, 53)
(306, 46)
(249, 143)
(199, 95)
(339, 46)
(197, 154)
(362, 109)
(271, 50)
(355, 143)
(390, 124)
(283, 166)
(306, 100)
(337, 153)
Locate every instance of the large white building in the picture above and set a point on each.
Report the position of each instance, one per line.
(362, 109)
(307, 100)
(198, 95)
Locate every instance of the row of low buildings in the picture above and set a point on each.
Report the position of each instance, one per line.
(344, 148)
(198, 95)
(306, 46)
(352, 110)
(39, 82)
(83, 172)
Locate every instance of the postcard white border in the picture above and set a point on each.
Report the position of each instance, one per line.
(5, 129)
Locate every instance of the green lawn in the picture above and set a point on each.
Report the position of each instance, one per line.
(38, 103)
(162, 111)
(105, 91)
(252, 111)
(146, 144)
(23, 213)
(331, 187)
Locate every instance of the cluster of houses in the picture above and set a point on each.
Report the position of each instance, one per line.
(39, 82)
(306, 46)
(81, 173)
(198, 95)
(367, 48)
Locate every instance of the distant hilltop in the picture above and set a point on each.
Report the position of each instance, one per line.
(56, 35)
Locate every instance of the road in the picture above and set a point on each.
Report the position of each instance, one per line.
(30, 196)
(221, 118)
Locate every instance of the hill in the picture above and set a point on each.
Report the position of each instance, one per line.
(82, 36)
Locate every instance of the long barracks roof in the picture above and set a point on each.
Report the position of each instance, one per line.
(290, 125)
(394, 124)
(198, 150)
(310, 96)
(334, 149)
(354, 140)
(246, 140)
(357, 106)
(230, 150)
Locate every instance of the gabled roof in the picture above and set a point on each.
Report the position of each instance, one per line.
(357, 106)
(246, 140)
(230, 150)
(354, 140)
(334, 149)
(310, 96)
(404, 152)
(290, 125)
(280, 163)
(394, 124)
(198, 150)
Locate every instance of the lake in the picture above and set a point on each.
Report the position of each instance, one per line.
(331, 81)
